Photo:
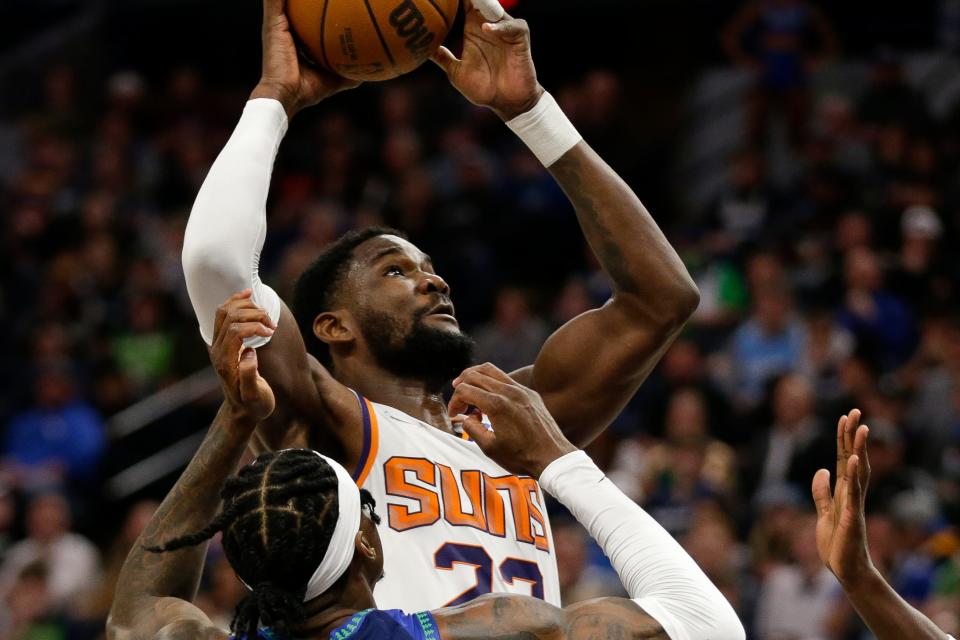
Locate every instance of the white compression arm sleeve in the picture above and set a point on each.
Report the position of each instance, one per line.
(228, 224)
(655, 570)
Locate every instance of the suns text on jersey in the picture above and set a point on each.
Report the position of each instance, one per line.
(470, 498)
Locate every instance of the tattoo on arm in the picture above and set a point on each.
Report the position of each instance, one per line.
(191, 505)
(589, 200)
(500, 617)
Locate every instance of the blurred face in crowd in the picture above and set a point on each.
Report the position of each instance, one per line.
(511, 309)
(686, 417)
(852, 231)
(886, 454)
(804, 547)
(48, 518)
(772, 307)
(403, 311)
(683, 363)
(28, 599)
(792, 401)
(764, 270)
(881, 539)
(137, 520)
(863, 270)
(54, 389)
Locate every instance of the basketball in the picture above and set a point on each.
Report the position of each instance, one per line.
(371, 40)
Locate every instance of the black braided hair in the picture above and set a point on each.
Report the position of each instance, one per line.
(279, 515)
(317, 287)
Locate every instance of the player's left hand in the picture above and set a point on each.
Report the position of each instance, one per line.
(250, 397)
(525, 437)
(496, 68)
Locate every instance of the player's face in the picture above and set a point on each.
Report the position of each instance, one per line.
(404, 311)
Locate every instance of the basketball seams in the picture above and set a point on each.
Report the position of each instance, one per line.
(376, 26)
(446, 21)
(323, 35)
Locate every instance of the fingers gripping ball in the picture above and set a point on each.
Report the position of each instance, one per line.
(370, 40)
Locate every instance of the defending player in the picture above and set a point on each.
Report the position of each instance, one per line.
(382, 341)
(298, 531)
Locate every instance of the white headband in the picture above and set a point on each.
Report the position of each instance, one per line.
(341, 548)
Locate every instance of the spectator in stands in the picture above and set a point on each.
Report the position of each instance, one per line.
(790, 451)
(797, 599)
(59, 440)
(743, 213)
(26, 610)
(72, 562)
(688, 468)
(890, 477)
(94, 604)
(220, 598)
(828, 347)
(781, 42)
(878, 319)
(514, 337)
(684, 368)
(580, 578)
(920, 276)
(778, 509)
(770, 343)
(712, 542)
(890, 100)
(934, 412)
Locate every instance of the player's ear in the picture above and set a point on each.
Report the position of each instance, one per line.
(365, 546)
(334, 327)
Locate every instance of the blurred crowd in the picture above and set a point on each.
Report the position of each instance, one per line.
(833, 289)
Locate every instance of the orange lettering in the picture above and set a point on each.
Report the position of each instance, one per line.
(531, 493)
(401, 517)
(518, 504)
(452, 503)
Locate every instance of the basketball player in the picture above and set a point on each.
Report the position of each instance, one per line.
(300, 533)
(359, 367)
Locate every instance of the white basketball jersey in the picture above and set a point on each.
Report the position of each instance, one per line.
(455, 525)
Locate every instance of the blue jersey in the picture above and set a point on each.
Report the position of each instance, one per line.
(377, 624)
(393, 624)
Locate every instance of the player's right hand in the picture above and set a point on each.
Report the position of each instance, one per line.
(841, 526)
(250, 397)
(286, 76)
(525, 437)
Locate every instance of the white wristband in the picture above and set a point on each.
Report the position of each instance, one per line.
(546, 130)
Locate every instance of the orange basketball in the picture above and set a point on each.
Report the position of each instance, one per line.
(371, 39)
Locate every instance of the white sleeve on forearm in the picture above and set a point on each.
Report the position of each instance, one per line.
(228, 224)
(655, 570)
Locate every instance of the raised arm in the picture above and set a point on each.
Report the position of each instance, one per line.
(591, 367)
(155, 590)
(228, 225)
(670, 596)
(842, 541)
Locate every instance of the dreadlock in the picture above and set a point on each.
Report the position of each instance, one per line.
(317, 287)
(278, 518)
